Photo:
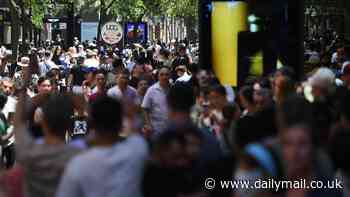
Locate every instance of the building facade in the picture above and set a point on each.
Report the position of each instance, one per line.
(327, 15)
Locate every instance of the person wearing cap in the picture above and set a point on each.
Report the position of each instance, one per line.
(91, 59)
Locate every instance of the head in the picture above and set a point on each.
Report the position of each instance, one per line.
(123, 79)
(178, 148)
(218, 97)
(181, 70)
(180, 98)
(142, 86)
(203, 78)
(57, 115)
(8, 86)
(105, 116)
(164, 76)
(262, 97)
(80, 48)
(138, 70)
(100, 80)
(182, 49)
(118, 64)
(90, 74)
(297, 146)
(322, 83)
(3, 100)
(44, 85)
(246, 97)
(283, 88)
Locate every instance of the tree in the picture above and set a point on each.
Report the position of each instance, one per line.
(186, 9)
(127, 10)
(29, 14)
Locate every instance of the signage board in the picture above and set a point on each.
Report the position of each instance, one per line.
(112, 33)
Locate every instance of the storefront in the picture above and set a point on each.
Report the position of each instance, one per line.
(5, 26)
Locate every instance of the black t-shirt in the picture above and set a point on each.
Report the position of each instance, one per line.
(80, 127)
(78, 75)
(133, 82)
(154, 185)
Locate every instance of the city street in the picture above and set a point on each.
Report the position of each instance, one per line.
(174, 98)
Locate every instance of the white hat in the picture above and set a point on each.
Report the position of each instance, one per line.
(24, 62)
(54, 67)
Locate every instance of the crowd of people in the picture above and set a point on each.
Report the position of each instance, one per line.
(148, 121)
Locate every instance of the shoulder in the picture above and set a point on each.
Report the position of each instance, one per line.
(113, 90)
(132, 89)
(133, 148)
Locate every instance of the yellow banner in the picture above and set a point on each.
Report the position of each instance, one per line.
(228, 18)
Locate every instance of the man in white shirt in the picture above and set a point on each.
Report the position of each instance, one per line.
(155, 104)
(122, 90)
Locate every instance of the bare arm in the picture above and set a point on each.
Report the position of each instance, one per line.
(24, 140)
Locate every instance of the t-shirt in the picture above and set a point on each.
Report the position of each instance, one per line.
(80, 127)
(107, 171)
(78, 75)
(43, 164)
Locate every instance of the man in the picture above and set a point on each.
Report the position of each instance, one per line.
(43, 164)
(155, 103)
(7, 138)
(47, 63)
(171, 159)
(81, 52)
(137, 72)
(122, 90)
(142, 87)
(8, 88)
(100, 85)
(120, 163)
(44, 85)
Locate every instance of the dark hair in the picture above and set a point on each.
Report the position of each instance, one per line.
(229, 111)
(42, 79)
(219, 89)
(296, 110)
(180, 61)
(117, 62)
(106, 115)
(125, 72)
(3, 100)
(58, 111)
(181, 97)
(248, 93)
(287, 71)
(34, 63)
(175, 134)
